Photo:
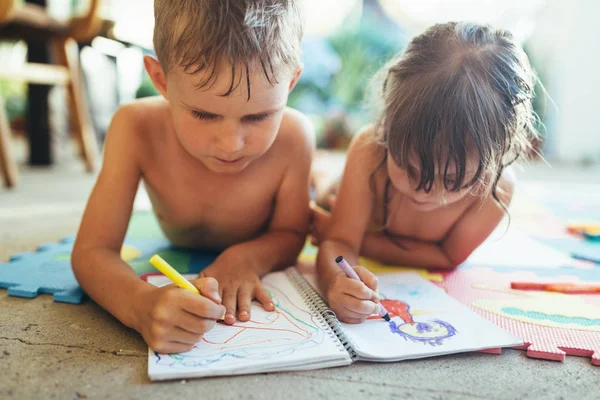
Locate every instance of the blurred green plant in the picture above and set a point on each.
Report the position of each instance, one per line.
(14, 94)
(339, 70)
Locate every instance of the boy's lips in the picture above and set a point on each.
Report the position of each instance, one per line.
(226, 161)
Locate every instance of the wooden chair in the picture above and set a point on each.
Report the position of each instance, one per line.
(31, 22)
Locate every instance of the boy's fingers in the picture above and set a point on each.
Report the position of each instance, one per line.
(209, 287)
(193, 323)
(183, 336)
(244, 298)
(171, 347)
(200, 306)
(230, 303)
(264, 298)
(367, 277)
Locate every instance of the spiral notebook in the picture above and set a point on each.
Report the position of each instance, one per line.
(303, 333)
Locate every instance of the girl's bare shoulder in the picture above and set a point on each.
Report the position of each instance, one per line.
(366, 148)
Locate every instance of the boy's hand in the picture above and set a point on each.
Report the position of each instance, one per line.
(239, 284)
(172, 319)
(351, 300)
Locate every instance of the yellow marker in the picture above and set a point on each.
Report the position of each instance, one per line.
(173, 275)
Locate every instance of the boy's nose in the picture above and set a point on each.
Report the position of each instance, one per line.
(231, 142)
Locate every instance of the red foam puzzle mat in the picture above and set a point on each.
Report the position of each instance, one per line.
(552, 325)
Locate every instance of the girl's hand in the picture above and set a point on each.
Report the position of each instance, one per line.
(239, 284)
(351, 300)
(172, 319)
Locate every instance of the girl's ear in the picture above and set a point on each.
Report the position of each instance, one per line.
(157, 74)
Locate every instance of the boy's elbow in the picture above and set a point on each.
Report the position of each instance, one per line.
(78, 257)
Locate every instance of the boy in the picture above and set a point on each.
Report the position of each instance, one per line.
(225, 163)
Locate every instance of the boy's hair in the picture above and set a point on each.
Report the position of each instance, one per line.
(459, 90)
(201, 34)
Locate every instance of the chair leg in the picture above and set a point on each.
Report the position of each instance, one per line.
(66, 54)
(8, 167)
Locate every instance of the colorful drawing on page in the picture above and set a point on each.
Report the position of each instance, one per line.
(287, 330)
(432, 332)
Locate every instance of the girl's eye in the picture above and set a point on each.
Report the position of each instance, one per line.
(257, 117)
(201, 115)
(412, 173)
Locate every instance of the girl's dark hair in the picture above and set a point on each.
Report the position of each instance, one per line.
(459, 91)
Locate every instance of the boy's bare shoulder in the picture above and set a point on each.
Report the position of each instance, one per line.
(296, 134)
(142, 118)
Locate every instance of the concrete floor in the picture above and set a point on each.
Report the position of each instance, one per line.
(53, 350)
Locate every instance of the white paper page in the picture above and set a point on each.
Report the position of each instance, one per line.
(290, 338)
(516, 249)
(429, 323)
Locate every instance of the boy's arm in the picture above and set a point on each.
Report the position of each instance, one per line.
(96, 255)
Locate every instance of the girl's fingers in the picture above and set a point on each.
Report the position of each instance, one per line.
(357, 289)
(367, 277)
(351, 320)
(360, 307)
(348, 313)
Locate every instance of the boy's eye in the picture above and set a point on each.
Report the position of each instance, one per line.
(202, 115)
(256, 117)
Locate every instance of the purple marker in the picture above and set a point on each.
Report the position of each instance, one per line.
(350, 273)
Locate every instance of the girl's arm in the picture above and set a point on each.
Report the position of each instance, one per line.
(471, 229)
(411, 252)
(351, 300)
(478, 222)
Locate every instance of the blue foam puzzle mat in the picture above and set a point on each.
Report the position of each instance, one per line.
(582, 249)
(48, 268)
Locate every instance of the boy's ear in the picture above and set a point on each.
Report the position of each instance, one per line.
(296, 77)
(156, 73)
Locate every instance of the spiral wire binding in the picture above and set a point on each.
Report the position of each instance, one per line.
(325, 315)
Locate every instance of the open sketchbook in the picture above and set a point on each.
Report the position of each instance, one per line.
(303, 333)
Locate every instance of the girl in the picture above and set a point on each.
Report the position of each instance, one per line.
(428, 182)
